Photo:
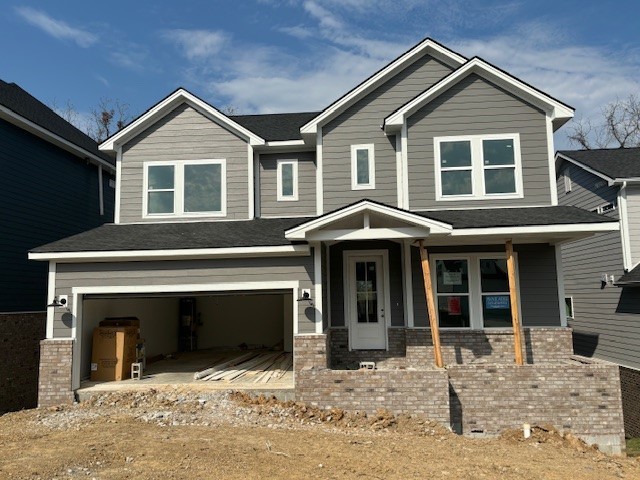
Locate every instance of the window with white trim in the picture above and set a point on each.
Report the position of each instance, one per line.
(472, 291)
(287, 182)
(478, 167)
(185, 188)
(568, 307)
(363, 170)
(567, 180)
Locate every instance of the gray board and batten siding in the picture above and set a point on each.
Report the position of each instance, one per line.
(184, 134)
(476, 106)
(184, 272)
(306, 203)
(606, 322)
(537, 278)
(360, 124)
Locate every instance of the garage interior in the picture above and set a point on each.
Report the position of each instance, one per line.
(186, 333)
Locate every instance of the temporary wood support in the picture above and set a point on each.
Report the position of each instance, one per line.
(431, 305)
(513, 295)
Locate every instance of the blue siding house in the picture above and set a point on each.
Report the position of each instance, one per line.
(54, 183)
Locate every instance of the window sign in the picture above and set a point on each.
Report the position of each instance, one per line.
(452, 278)
(496, 302)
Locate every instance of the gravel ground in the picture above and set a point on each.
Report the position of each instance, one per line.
(174, 433)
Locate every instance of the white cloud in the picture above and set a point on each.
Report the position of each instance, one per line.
(198, 44)
(56, 28)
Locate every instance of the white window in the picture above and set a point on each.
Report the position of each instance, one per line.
(185, 188)
(568, 307)
(567, 180)
(287, 180)
(478, 167)
(363, 170)
(472, 291)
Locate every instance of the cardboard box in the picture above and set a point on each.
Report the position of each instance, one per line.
(114, 350)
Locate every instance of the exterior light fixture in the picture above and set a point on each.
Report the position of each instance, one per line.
(60, 301)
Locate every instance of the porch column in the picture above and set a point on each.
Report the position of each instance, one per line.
(431, 306)
(317, 283)
(513, 295)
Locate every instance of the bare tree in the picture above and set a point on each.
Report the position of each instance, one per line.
(107, 118)
(230, 110)
(67, 111)
(620, 128)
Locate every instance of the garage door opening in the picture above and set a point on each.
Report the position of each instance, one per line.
(243, 339)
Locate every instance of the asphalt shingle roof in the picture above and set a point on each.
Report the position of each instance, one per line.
(631, 278)
(270, 231)
(24, 104)
(612, 162)
(275, 126)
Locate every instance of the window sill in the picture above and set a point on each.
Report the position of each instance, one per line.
(458, 198)
(363, 187)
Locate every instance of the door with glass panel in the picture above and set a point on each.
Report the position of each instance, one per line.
(366, 313)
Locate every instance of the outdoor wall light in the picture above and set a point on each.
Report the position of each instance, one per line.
(58, 301)
(306, 296)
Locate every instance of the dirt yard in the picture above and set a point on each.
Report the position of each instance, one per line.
(174, 434)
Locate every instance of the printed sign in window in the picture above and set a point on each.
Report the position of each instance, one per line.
(452, 278)
(454, 306)
(496, 302)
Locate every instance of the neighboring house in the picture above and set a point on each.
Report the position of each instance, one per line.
(601, 274)
(318, 216)
(49, 189)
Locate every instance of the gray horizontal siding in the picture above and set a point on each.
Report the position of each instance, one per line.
(173, 273)
(337, 279)
(184, 134)
(537, 277)
(633, 209)
(473, 107)
(588, 191)
(306, 203)
(360, 124)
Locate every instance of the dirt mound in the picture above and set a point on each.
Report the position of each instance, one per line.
(549, 435)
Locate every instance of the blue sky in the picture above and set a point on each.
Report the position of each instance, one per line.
(285, 55)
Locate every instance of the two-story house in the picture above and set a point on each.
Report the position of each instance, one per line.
(54, 183)
(601, 273)
(430, 183)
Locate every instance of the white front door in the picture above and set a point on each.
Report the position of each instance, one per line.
(366, 302)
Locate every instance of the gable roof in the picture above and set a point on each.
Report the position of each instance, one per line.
(616, 164)
(168, 104)
(21, 108)
(426, 46)
(560, 112)
(275, 127)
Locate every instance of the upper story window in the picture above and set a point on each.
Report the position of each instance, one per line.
(363, 170)
(478, 167)
(185, 188)
(287, 180)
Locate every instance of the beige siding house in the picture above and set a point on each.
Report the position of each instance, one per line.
(411, 225)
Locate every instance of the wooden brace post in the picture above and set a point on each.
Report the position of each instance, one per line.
(431, 306)
(513, 296)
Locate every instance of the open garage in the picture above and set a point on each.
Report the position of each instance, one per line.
(187, 332)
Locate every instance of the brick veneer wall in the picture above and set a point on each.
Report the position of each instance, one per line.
(309, 351)
(581, 398)
(54, 386)
(630, 386)
(20, 335)
(418, 392)
(410, 347)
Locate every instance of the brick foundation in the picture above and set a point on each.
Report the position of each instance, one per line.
(581, 398)
(54, 386)
(409, 347)
(630, 386)
(20, 335)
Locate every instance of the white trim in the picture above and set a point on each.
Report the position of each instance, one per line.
(317, 276)
(404, 142)
(28, 125)
(371, 164)
(477, 167)
(560, 281)
(625, 236)
(328, 269)
(285, 143)
(407, 286)
(100, 191)
(118, 185)
(250, 182)
(552, 169)
(476, 65)
(564, 307)
(257, 199)
(427, 46)
(347, 255)
(129, 255)
(165, 106)
(76, 334)
(279, 196)
(300, 232)
(319, 179)
(51, 293)
(178, 188)
(476, 320)
(548, 229)
(368, 234)
(568, 183)
(399, 173)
